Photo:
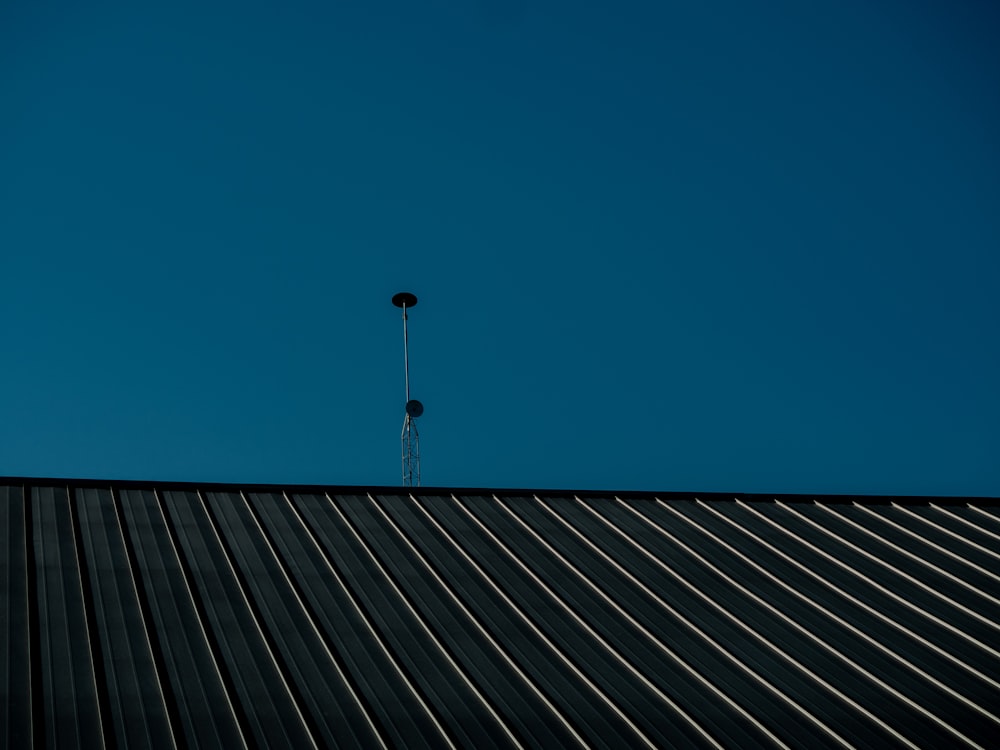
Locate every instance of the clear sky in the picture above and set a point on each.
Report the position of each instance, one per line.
(718, 246)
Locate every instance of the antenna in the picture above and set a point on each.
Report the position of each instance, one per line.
(410, 438)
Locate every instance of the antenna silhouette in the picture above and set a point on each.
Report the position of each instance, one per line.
(410, 438)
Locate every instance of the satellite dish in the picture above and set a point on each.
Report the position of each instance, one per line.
(414, 408)
(404, 299)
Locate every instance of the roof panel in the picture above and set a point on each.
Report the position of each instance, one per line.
(138, 712)
(505, 687)
(802, 669)
(327, 701)
(197, 692)
(660, 625)
(270, 712)
(923, 538)
(348, 634)
(229, 615)
(826, 641)
(16, 608)
(68, 651)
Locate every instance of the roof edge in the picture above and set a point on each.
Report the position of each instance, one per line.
(340, 489)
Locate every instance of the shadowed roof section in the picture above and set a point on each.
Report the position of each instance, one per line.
(177, 614)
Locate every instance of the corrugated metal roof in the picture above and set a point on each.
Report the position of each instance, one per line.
(178, 615)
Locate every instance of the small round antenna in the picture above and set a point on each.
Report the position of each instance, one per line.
(410, 437)
(404, 300)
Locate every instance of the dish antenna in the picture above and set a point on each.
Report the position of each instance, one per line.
(410, 438)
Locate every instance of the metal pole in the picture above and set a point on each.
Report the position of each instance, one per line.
(407, 423)
(406, 353)
(410, 437)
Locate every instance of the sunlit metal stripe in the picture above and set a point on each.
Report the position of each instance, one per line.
(889, 566)
(133, 577)
(497, 646)
(441, 647)
(234, 577)
(704, 636)
(605, 698)
(635, 623)
(944, 530)
(102, 721)
(790, 659)
(487, 704)
(968, 523)
(376, 637)
(189, 587)
(829, 647)
(642, 628)
(829, 613)
(931, 544)
(846, 594)
(986, 513)
(304, 610)
(96, 607)
(452, 577)
(870, 581)
(402, 598)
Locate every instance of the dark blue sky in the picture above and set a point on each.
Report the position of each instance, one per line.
(669, 246)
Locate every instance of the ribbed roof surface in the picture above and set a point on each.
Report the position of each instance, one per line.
(224, 616)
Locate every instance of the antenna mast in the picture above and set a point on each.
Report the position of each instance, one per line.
(410, 438)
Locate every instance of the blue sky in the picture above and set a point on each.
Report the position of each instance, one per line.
(710, 246)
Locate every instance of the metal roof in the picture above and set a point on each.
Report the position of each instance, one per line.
(166, 615)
